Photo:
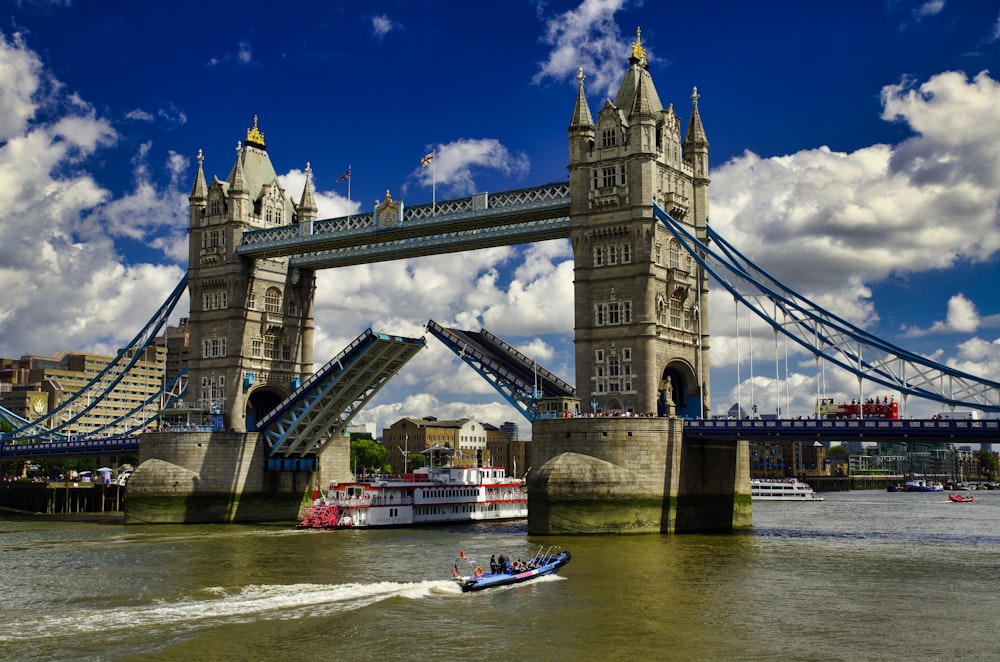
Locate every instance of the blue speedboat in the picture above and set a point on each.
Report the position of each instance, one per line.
(507, 572)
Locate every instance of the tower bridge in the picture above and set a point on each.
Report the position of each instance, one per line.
(635, 209)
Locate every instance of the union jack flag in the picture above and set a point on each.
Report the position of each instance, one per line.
(426, 161)
(347, 175)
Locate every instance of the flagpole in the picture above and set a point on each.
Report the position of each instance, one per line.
(433, 185)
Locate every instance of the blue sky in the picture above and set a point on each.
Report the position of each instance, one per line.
(854, 154)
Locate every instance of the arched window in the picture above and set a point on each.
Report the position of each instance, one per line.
(675, 255)
(272, 300)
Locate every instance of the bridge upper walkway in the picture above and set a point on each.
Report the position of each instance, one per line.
(479, 221)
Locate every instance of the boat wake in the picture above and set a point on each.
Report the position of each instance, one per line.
(213, 606)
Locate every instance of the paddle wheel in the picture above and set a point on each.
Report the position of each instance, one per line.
(321, 517)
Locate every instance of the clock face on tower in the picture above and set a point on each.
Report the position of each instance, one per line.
(38, 405)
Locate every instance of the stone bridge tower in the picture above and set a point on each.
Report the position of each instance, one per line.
(251, 320)
(641, 334)
(641, 301)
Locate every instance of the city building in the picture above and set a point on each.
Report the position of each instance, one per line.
(470, 439)
(44, 383)
(511, 429)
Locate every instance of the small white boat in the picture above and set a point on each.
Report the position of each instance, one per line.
(791, 489)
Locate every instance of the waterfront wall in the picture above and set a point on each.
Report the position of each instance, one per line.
(634, 475)
(61, 498)
(851, 483)
(220, 477)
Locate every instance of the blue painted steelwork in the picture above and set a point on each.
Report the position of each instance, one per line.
(437, 244)
(49, 426)
(482, 220)
(846, 429)
(829, 337)
(72, 446)
(309, 419)
(519, 379)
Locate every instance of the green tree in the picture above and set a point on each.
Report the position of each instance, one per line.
(987, 464)
(836, 451)
(416, 461)
(368, 455)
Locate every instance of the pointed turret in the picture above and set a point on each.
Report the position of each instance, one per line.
(239, 196)
(581, 111)
(307, 209)
(695, 136)
(237, 180)
(200, 190)
(197, 201)
(638, 83)
(646, 102)
(581, 128)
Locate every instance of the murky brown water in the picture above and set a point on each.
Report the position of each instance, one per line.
(859, 576)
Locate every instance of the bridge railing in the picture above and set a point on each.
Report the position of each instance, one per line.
(424, 215)
(851, 425)
(70, 447)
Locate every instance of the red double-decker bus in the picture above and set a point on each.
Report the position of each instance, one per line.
(872, 408)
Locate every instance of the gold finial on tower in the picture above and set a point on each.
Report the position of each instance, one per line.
(254, 136)
(638, 52)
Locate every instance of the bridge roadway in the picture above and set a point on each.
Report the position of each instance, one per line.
(479, 221)
(70, 448)
(938, 431)
(848, 429)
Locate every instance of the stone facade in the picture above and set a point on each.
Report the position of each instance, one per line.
(641, 302)
(250, 338)
(220, 477)
(251, 321)
(634, 475)
(641, 334)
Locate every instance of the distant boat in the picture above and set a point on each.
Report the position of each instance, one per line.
(763, 489)
(960, 498)
(921, 485)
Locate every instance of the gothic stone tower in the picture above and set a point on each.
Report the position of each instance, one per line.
(251, 341)
(251, 320)
(641, 301)
(641, 335)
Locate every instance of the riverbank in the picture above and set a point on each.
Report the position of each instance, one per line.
(64, 498)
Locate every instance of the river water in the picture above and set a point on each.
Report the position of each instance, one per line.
(859, 576)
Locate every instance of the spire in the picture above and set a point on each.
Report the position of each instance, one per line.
(307, 205)
(237, 181)
(199, 191)
(581, 111)
(254, 137)
(646, 101)
(695, 136)
(638, 52)
(637, 92)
